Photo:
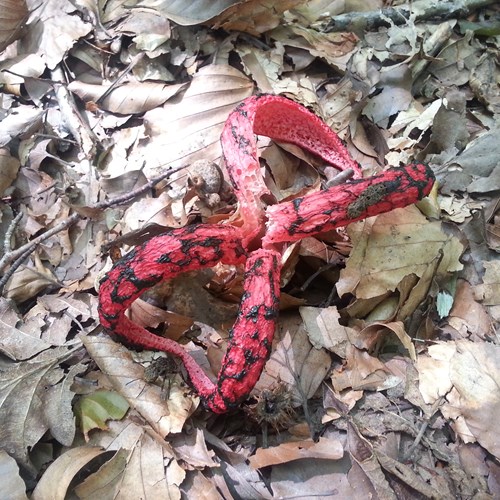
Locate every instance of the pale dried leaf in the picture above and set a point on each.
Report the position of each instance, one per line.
(188, 14)
(189, 129)
(324, 329)
(57, 478)
(18, 341)
(389, 247)
(294, 361)
(127, 378)
(130, 98)
(328, 449)
(13, 15)
(489, 291)
(13, 487)
(434, 371)
(55, 28)
(20, 124)
(475, 374)
(23, 399)
(254, 16)
(192, 449)
(27, 282)
(313, 478)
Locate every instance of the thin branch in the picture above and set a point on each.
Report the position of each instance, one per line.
(421, 9)
(18, 256)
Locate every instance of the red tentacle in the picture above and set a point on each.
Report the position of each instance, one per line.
(251, 337)
(187, 249)
(341, 205)
(163, 257)
(283, 120)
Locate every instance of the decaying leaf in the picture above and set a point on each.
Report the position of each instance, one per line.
(389, 247)
(127, 377)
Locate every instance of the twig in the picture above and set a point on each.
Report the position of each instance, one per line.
(10, 232)
(18, 256)
(421, 9)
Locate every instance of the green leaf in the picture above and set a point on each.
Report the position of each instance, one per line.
(95, 409)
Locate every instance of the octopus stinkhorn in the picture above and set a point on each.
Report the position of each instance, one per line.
(257, 243)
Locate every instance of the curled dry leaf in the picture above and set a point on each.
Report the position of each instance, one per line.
(25, 412)
(146, 471)
(329, 449)
(467, 375)
(9, 166)
(128, 99)
(59, 475)
(19, 341)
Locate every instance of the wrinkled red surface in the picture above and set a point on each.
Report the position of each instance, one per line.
(201, 246)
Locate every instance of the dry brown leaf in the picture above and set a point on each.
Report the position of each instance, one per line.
(13, 15)
(9, 166)
(189, 129)
(192, 448)
(130, 98)
(27, 282)
(254, 16)
(24, 410)
(364, 372)
(328, 449)
(146, 471)
(57, 478)
(467, 316)
(187, 14)
(294, 361)
(324, 329)
(391, 246)
(489, 291)
(475, 374)
(127, 378)
(54, 28)
(19, 341)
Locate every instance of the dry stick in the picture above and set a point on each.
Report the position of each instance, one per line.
(17, 257)
(422, 10)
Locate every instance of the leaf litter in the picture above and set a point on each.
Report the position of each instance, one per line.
(387, 374)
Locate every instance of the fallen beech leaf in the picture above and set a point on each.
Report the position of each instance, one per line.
(389, 247)
(434, 371)
(23, 402)
(188, 14)
(146, 471)
(467, 316)
(19, 341)
(127, 378)
(364, 372)
(475, 374)
(57, 478)
(130, 98)
(27, 282)
(188, 128)
(397, 328)
(325, 448)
